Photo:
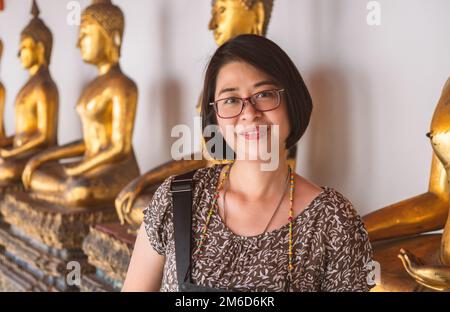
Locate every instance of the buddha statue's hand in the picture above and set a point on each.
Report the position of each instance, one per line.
(436, 277)
(71, 170)
(30, 167)
(125, 200)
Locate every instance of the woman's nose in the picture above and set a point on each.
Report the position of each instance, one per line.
(249, 112)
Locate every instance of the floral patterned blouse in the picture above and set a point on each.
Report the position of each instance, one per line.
(331, 246)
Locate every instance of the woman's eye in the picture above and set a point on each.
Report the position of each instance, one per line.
(262, 95)
(221, 10)
(230, 101)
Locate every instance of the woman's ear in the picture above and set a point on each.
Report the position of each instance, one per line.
(259, 10)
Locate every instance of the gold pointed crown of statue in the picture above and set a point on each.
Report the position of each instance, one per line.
(37, 30)
(248, 4)
(107, 15)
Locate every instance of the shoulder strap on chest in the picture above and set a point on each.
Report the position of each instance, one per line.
(181, 189)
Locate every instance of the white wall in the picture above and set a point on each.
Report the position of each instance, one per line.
(374, 87)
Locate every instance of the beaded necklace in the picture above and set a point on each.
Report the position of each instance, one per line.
(214, 206)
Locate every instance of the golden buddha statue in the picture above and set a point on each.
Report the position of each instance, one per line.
(105, 160)
(3, 139)
(436, 275)
(402, 226)
(36, 105)
(419, 214)
(229, 18)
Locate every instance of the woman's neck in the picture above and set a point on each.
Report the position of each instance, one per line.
(248, 179)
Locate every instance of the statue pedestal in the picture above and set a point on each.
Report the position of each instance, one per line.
(4, 189)
(109, 247)
(393, 275)
(39, 240)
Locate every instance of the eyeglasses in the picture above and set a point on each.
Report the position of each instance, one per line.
(263, 101)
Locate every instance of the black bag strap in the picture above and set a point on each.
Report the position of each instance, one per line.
(181, 189)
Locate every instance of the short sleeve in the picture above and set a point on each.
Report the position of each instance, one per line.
(348, 251)
(157, 218)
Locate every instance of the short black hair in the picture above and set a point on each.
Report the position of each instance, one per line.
(268, 57)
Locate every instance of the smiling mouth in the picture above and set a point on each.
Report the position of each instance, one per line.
(255, 134)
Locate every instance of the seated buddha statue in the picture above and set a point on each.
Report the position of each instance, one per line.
(90, 172)
(435, 274)
(36, 104)
(229, 19)
(399, 230)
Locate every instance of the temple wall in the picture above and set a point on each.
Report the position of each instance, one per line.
(374, 87)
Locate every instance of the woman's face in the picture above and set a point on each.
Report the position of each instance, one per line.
(252, 132)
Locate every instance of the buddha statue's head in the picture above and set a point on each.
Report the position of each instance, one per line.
(231, 18)
(440, 127)
(101, 31)
(36, 41)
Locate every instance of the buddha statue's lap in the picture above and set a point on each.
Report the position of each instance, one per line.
(11, 168)
(100, 185)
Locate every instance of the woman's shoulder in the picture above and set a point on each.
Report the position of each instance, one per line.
(325, 202)
(333, 210)
(207, 174)
(340, 216)
(335, 204)
(162, 198)
(158, 214)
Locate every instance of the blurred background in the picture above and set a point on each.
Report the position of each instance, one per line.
(374, 88)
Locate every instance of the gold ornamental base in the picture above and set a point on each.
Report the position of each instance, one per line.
(109, 247)
(39, 242)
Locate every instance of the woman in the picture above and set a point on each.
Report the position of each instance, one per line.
(255, 229)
